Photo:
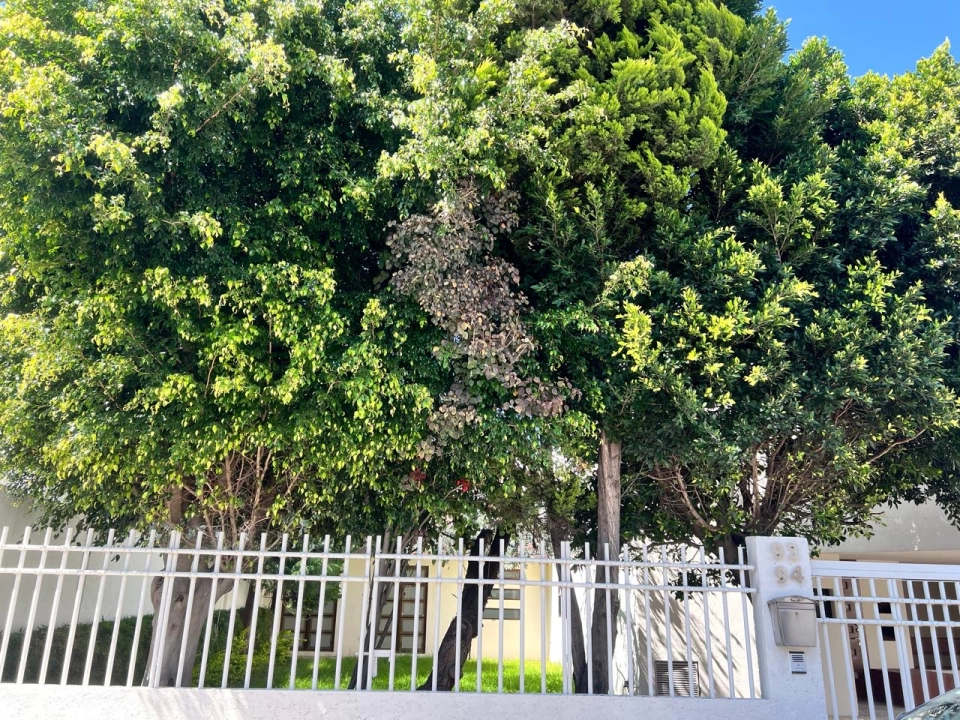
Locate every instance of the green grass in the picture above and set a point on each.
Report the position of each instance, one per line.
(238, 661)
(402, 670)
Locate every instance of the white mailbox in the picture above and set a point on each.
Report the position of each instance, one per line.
(794, 621)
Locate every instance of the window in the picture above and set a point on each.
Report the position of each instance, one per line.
(508, 596)
(411, 617)
(309, 625)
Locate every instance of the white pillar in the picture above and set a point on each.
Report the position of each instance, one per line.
(782, 569)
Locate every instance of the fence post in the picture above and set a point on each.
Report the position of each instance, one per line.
(781, 568)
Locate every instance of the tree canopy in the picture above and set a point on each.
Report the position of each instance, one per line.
(264, 261)
(190, 230)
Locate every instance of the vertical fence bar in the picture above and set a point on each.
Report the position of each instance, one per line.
(914, 611)
(234, 597)
(75, 615)
(321, 603)
(118, 615)
(214, 592)
(746, 623)
(342, 615)
(645, 559)
(590, 574)
(277, 608)
(831, 679)
(397, 606)
(694, 685)
(902, 635)
(417, 590)
(252, 634)
(187, 622)
(55, 607)
(479, 618)
(883, 657)
(704, 582)
(726, 622)
(144, 584)
(500, 619)
(365, 602)
(628, 601)
(862, 633)
(299, 615)
(565, 655)
(4, 533)
(847, 659)
(668, 619)
(95, 625)
(372, 641)
(934, 637)
(18, 574)
(544, 585)
(457, 668)
(32, 612)
(522, 555)
(436, 619)
(948, 615)
(606, 577)
(166, 600)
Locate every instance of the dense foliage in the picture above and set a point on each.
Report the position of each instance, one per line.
(190, 224)
(408, 263)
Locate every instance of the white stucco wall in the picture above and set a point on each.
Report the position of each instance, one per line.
(705, 611)
(17, 519)
(920, 530)
(98, 703)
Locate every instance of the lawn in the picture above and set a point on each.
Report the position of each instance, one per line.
(402, 671)
(238, 661)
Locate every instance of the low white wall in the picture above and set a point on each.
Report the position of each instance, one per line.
(31, 701)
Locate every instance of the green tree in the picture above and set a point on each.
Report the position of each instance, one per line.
(786, 350)
(590, 116)
(190, 227)
(705, 251)
(910, 123)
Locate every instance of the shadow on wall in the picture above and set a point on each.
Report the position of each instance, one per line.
(707, 633)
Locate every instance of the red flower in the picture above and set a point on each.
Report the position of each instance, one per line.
(463, 485)
(418, 476)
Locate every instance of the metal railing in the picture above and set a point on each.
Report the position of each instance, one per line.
(300, 613)
(887, 635)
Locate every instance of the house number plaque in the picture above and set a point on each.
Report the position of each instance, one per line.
(786, 559)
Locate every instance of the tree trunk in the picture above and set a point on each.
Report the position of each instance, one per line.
(557, 537)
(177, 623)
(246, 615)
(608, 535)
(472, 604)
(731, 544)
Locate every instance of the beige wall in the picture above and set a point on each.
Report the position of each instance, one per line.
(538, 603)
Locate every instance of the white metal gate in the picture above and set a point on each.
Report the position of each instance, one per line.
(888, 635)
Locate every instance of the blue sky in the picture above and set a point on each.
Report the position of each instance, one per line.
(887, 36)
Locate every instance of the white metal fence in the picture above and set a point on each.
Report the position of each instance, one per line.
(888, 635)
(310, 614)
